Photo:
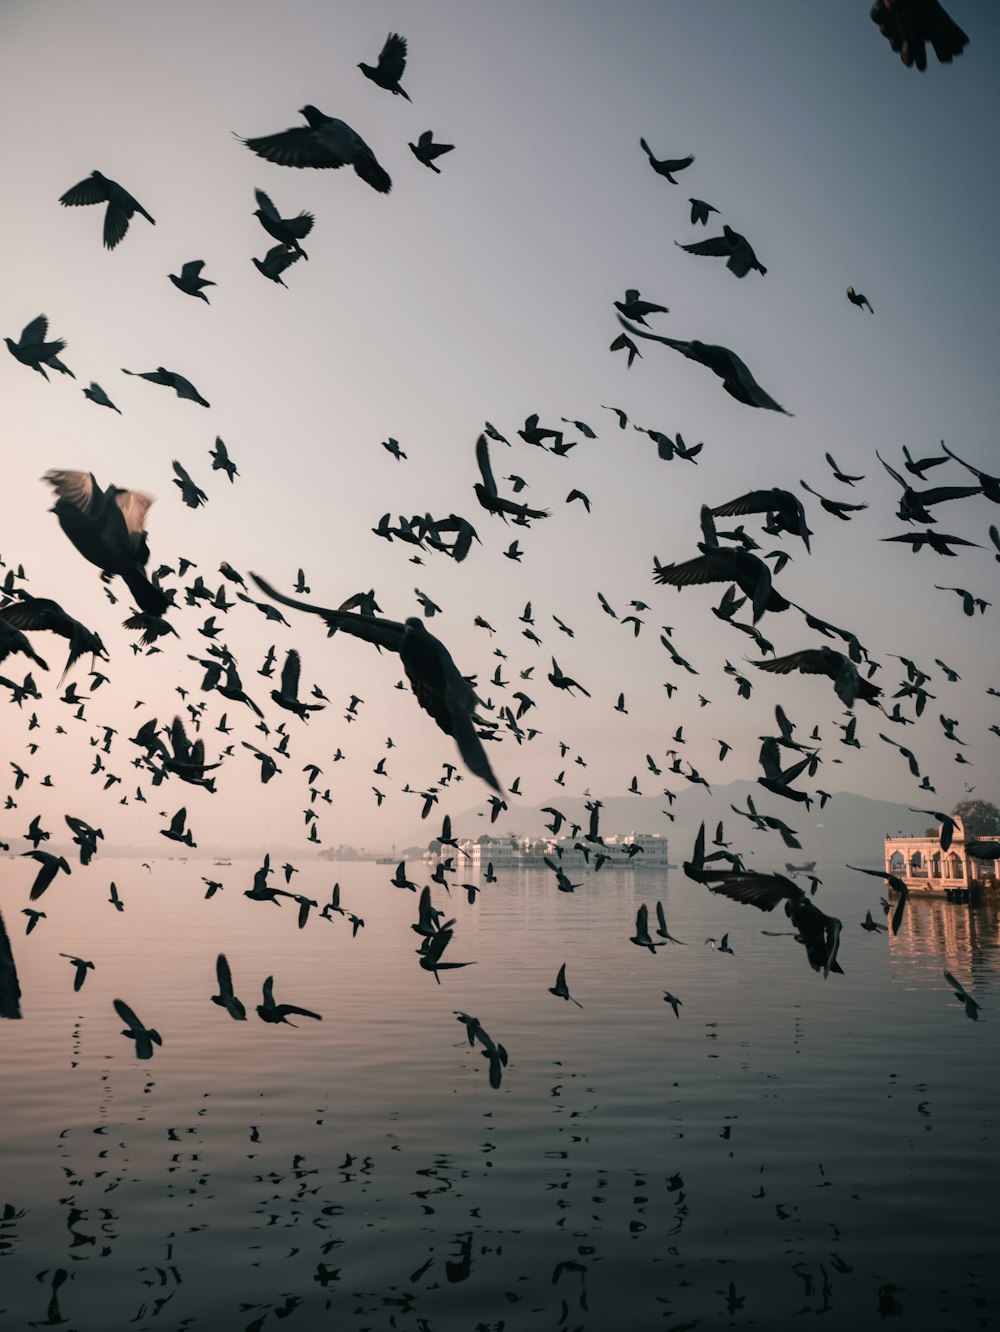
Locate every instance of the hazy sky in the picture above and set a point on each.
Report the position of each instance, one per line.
(486, 292)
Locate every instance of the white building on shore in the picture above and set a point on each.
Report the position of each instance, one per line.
(633, 850)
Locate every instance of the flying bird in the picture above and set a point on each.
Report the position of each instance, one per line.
(226, 998)
(737, 380)
(96, 394)
(97, 189)
(667, 165)
(106, 527)
(391, 63)
(856, 298)
(277, 259)
(435, 679)
(561, 989)
(425, 150)
(909, 25)
(734, 248)
(170, 379)
(32, 350)
(324, 143)
(144, 1037)
(190, 281)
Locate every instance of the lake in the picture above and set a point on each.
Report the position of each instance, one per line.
(787, 1146)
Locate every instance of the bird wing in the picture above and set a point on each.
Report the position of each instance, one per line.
(754, 501)
(127, 1016)
(179, 741)
(810, 661)
(392, 58)
(298, 147)
(225, 977)
(266, 206)
(34, 333)
(383, 633)
(79, 488)
(177, 822)
(290, 673)
(763, 891)
(89, 191)
(116, 221)
(716, 245)
(483, 459)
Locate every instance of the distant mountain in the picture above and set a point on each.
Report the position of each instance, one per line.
(850, 828)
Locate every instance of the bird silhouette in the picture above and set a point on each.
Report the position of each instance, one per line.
(425, 150)
(324, 142)
(269, 1011)
(145, 1037)
(667, 165)
(561, 989)
(190, 281)
(391, 63)
(435, 679)
(97, 189)
(736, 378)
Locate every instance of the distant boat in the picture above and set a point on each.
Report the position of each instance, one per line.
(386, 860)
(806, 867)
(222, 862)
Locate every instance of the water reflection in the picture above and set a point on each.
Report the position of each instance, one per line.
(772, 1152)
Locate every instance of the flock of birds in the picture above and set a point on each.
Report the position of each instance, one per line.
(107, 526)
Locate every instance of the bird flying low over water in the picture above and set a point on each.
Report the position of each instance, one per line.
(144, 1037)
(324, 142)
(121, 208)
(226, 998)
(269, 1011)
(561, 989)
(434, 678)
(736, 378)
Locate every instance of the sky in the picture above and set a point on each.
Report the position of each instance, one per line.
(486, 293)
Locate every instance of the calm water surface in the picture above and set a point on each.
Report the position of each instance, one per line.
(788, 1147)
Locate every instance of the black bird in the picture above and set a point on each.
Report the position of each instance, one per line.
(96, 394)
(82, 967)
(736, 378)
(839, 473)
(269, 1011)
(221, 461)
(13, 640)
(177, 832)
(636, 309)
(561, 989)
(720, 565)
(324, 142)
(734, 248)
(192, 494)
(50, 867)
(914, 505)
(971, 1007)
(700, 211)
(41, 613)
(435, 679)
(624, 343)
(488, 495)
(144, 1037)
(190, 280)
(84, 836)
(784, 509)
(287, 696)
(836, 507)
(940, 542)
(425, 150)
(170, 379)
(32, 350)
(562, 681)
(121, 208)
(856, 298)
(10, 989)
(391, 63)
(277, 259)
(910, 24)
(665, 166)
(288, 230)
(226, 998)
(847, 681)
(970, 603)
(990, 485)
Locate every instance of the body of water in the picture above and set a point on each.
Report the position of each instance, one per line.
(788, 1146)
